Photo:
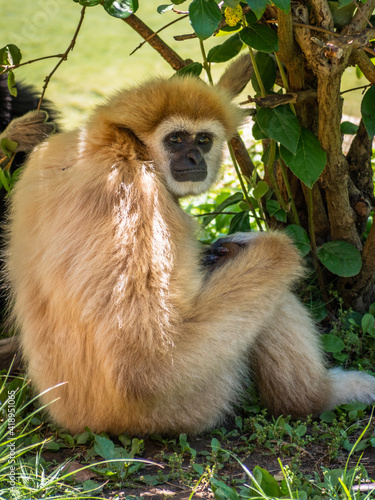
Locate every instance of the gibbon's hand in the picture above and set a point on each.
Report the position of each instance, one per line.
(226, 248)
(28, 131)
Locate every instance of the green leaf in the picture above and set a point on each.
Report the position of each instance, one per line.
(257, 6)
(260, 37)
(215, 445)
(104, 447)
(331, 343)
(222, 491)
(8, 147)
(368, 324)
(240, 223)
(341, 258)
(205, 16)
(194, 68)
(198, 468)
(348, 128)
(52, 445)
(231, 3)
(257, 133)
(328, 416)
(226, 51)
(260, 189)
(120, 8)
(343, 3)
(267, 71)
(275, 210)
(284, 5)
(11, 84)
(164, 8)
(231, 200)
(90, 485)
(309, 160)
(82, 438)
(299, 237)
(10, 54)
(368, 111)
(267, 482)
(280, 124)
(88, 3)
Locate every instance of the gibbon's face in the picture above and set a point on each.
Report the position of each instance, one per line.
(188, 153)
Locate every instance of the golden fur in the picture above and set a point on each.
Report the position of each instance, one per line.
(110, 296)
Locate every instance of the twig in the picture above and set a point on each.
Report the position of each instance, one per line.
(15, 66)
(328, 32)
(172, 58)
(147, 40)
(274, 100)
(181, 38)
(64, 56)
(356, 88)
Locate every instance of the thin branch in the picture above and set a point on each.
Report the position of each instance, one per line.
(274, 100)
(172, 58)
(360, 19)
(356, 88)
(147, 40)
(15, 66)
(365, 65)
(64, 56)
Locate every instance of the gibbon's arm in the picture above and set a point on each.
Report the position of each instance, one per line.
(269, 261)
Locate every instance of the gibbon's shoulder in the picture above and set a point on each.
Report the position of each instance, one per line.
(143, 107)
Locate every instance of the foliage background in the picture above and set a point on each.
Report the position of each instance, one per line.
(100, 62)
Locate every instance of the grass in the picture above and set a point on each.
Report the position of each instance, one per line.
(253, 456)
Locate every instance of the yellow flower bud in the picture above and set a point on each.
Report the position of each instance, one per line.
(233, 16)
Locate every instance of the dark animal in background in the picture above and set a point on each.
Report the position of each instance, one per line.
(21, 122)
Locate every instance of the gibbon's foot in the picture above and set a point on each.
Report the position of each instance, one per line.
(28, 131)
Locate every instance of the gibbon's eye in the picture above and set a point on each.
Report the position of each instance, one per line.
(204, 139)
(175, 139)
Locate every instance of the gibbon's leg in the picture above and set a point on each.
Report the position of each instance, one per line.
(290, 371)
(287, 363)
(286, 358)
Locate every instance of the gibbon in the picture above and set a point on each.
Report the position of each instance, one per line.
(114, 297)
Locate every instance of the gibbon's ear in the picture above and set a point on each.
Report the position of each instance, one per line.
(237, 75)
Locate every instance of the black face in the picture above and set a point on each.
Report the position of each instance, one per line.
(187, 155)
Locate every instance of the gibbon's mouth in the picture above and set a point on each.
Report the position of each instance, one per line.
(189, 175)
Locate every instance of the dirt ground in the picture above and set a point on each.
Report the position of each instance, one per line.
(312, 459)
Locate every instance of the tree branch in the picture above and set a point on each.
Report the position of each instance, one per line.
(360, 19)
(64, 56)
(365, 65)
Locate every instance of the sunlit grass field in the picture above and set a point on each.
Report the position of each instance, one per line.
(100, 62)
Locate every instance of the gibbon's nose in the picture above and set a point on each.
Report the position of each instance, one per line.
(194, 156)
